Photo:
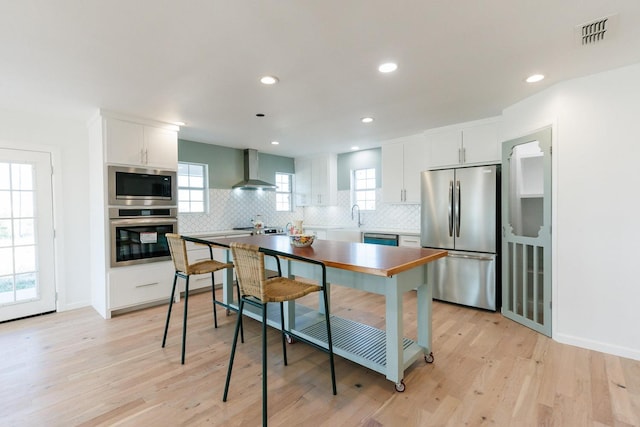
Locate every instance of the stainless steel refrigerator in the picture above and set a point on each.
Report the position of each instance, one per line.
(461, 213)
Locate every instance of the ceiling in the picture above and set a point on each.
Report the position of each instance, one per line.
(199, 61)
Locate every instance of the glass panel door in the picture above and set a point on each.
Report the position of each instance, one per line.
(526, 229)
(27, 283)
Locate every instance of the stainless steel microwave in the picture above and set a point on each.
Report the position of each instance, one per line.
(132, 186)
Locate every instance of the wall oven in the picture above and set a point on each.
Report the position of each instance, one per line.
(132, 186)
(138, 235)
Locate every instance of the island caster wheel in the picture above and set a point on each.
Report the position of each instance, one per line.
(400, 387)
(228, 312)
(290, 339)
(428, 358)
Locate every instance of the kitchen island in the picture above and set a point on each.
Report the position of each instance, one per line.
(388, 271)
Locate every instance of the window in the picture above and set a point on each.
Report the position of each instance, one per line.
(192, 188)
(283, 191)
(364, 188)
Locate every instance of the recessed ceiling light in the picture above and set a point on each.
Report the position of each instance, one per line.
(275, 143)
(355, 147)
(534, 78)
(269, 80)
(366, 119)
(388, 67)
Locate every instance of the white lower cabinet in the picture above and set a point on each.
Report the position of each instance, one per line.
(409, 241)
(320, 233)
(139, 284)
(344, 235)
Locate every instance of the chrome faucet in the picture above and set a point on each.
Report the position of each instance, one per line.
(353, 216)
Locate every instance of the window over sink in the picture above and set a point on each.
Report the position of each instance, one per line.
(363, 188)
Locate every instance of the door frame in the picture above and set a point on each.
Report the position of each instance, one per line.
(57, 213)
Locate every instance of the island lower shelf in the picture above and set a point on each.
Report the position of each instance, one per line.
(355, 341)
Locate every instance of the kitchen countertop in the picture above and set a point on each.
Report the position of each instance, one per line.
(364, 229)
(216, 233)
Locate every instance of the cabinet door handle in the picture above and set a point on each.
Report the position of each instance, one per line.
(464, 155)
(146, 284)
(459, 155)
(142, 155)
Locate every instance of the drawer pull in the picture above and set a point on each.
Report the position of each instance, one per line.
(147, 284)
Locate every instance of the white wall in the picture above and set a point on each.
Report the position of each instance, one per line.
(68, 142)
(596, 155)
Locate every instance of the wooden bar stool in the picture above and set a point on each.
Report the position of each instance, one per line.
(178, 249)
(257, 290)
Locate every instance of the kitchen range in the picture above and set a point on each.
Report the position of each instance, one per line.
(261, 230)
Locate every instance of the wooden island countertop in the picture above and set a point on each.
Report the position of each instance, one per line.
(378, 260)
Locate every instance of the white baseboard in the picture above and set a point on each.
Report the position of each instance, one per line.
(616, 350)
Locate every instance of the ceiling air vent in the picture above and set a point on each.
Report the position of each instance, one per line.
(597, 31)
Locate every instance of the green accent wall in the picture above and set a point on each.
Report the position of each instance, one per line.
(226, 165)
(364, 159)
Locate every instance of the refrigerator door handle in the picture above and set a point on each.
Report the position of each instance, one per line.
(457, 211)
(476, 257)
(450, 208)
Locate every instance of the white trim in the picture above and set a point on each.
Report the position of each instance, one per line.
(598, 346)
(56, 214)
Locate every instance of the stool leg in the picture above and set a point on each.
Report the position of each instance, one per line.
(233, 350)
(284, 343)
(329, 339)
(213, 293)
(166, 326)
(264, 365)
(240, 317)
(184, 322)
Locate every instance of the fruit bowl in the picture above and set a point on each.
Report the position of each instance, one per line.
(301, 240)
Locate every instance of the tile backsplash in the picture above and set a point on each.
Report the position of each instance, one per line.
(236, 208)
(386, 216)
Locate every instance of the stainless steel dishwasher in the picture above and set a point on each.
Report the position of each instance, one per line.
(380, 239)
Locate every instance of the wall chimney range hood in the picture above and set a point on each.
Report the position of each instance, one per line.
(251, 180)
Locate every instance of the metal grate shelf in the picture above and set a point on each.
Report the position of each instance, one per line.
(360, 343)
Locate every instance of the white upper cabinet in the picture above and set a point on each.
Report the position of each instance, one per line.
(445, 148)
(303, 181)
(161, 148)
(317, 180)
(130, 143)
(402, 161)
(465, 144)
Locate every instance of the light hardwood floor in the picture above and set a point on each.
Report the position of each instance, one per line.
(75, 368)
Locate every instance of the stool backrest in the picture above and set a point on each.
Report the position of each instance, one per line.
(178, 250)
(249, 266)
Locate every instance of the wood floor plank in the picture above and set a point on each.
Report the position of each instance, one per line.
(77, 369)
